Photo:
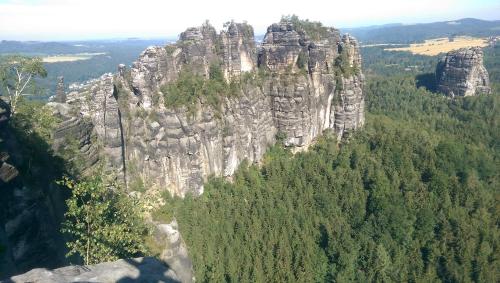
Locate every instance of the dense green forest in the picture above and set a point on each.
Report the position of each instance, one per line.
(411, 197)
(377, 61)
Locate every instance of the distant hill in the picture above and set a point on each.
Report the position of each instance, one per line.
(399, 33)
(111, 53)
(72, 47)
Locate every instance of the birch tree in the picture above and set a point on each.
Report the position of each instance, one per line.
(17, 75)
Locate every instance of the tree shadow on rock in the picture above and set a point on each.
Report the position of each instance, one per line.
(32, 205)
(427, 81)
(150, 270)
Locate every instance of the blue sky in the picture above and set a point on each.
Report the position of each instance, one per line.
(93, 19)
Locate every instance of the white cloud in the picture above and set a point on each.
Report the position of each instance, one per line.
(72, 19)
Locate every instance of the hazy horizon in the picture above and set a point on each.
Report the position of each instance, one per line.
(55, 20)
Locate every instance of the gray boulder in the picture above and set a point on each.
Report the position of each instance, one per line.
(146, 269)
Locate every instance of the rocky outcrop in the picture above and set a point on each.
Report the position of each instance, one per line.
(174, 252)
(295, 84)
(74, 139)
(238, 49)
(462, 73)
(146, 269)
(60, 93)
(7, 171)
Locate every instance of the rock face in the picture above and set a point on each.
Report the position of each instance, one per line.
(462, 73)
(294, 84)
(124, 270)
(30, 212)
(7, 171)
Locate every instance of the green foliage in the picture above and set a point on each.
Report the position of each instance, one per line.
(170, 48)
(103, 223)
(185, 91)
(247, 31)
(189, 89)
(32, 127)
(17, 76)
(315, 30)
(492, 64)
(255, 78)
(35, 117)
(377, 61)
(302, 60)
(411, 198)
(72, 156)
(281, 138)
(137, 184)
(342, 65)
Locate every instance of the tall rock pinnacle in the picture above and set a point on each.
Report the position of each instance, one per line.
(60, 93)
(462, 73)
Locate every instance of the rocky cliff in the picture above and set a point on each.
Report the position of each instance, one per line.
(31, 206)
(296, 84)
(462, 73)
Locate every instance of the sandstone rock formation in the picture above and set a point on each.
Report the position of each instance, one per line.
(293, 84)
(124, 270)
(60, 93)
(462, 73)
(174, 251)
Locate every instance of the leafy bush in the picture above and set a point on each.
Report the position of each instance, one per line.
(189, 89)
(103, 223)
(302, 60)
(343, 66)
(32, 127)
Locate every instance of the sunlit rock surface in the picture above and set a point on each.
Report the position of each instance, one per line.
(462, 73)
(290, 85)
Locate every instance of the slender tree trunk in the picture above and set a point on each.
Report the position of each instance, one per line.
(88, 239)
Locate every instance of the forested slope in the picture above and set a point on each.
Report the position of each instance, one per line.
(412, 197)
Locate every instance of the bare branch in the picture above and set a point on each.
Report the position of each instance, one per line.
(25, 84)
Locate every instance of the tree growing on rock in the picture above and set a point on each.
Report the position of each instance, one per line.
(102, 222)
(17, 75)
